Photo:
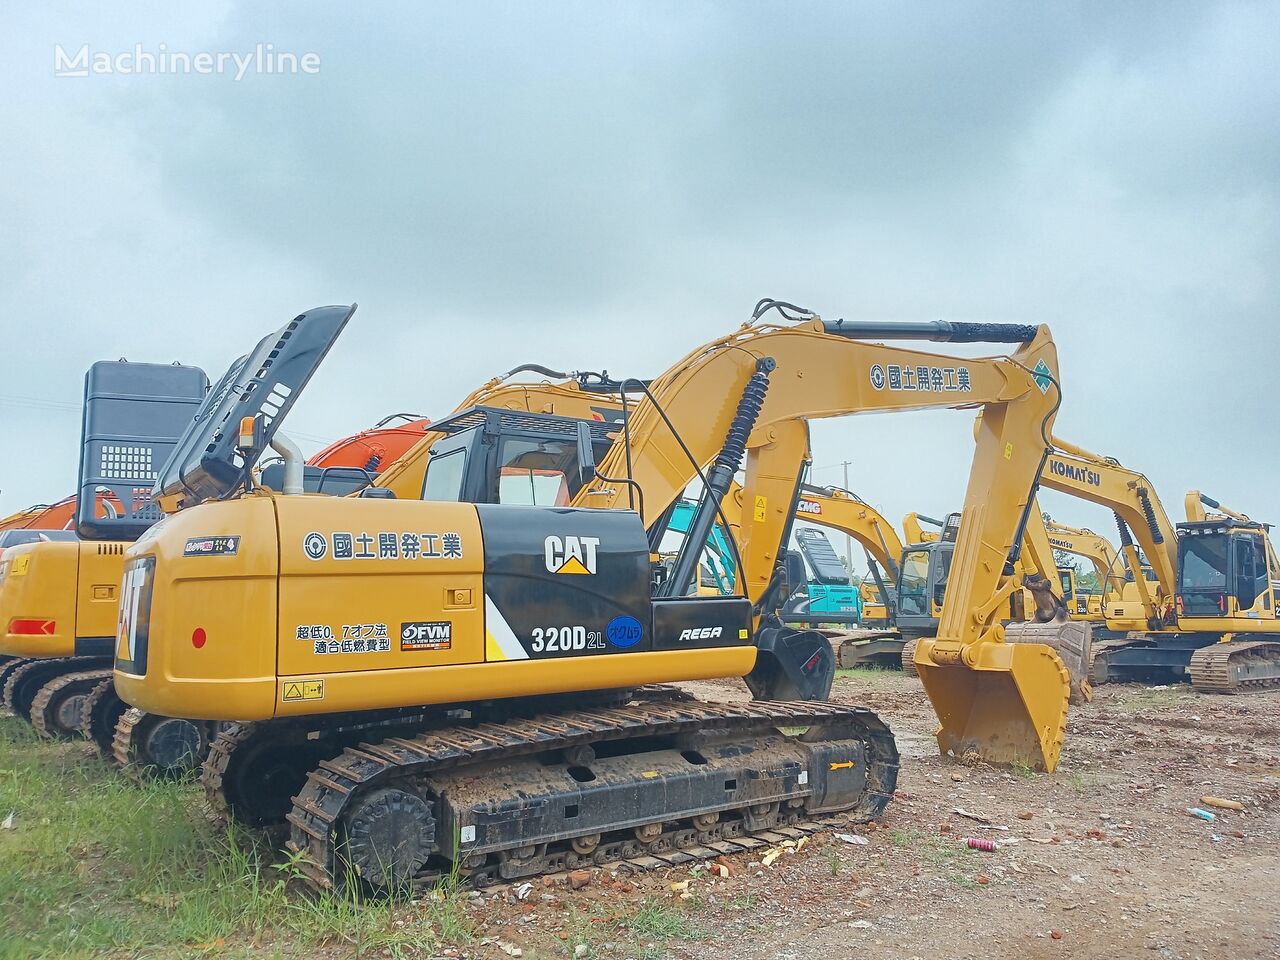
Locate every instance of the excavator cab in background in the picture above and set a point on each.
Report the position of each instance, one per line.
(922, 581)
(829, 597)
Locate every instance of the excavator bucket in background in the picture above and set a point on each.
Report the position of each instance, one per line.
(1008, 705)
(1072, 640)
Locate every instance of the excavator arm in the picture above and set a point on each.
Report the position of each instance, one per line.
(1140, 518)
(844, 511)
(760, 386)
(1095, 548)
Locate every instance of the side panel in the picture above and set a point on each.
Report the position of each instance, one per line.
(97, 594)
(210, 626)
(564, 583)
(38, 600)
(369, 585)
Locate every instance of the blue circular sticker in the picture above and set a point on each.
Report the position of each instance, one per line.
(624, 632)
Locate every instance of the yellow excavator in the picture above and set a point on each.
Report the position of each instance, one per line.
(416, 670)
(1210, 611)
(58, 599)
(1115, 581)
(1038, 610)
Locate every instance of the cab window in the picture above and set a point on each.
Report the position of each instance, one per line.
(913, 584)
(539, 473)
(444, 477)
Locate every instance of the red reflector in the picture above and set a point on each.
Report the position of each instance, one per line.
(32, 628)
(198, 637)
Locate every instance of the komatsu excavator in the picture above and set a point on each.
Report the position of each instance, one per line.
(510, 645)
(1109, 570)
(1209, 609)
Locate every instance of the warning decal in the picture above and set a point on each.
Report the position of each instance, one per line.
(303, 690)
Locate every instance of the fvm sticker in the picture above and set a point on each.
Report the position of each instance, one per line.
(426, 635)
(211, 547)
(571, 554)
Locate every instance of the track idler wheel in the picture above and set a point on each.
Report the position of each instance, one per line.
(390, 836)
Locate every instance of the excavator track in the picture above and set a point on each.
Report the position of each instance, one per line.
(909, 659)
(395, 814)
(148, 746)
(17, 699)
(1102, 650)
(868, 648)
(55, 711)
(100, 711)
(9, 665)
(1239, 666)
(254, 769)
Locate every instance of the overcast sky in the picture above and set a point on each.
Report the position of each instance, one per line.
(607, 185)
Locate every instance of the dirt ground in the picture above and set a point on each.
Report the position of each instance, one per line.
(1099, 859)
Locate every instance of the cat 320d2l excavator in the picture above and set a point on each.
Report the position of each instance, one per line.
(510, 645)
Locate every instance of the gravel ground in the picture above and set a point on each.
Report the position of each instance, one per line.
(1098, 859)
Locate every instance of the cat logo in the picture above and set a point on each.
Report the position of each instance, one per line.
(571, 554)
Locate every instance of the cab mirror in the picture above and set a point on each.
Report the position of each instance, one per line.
(797, 575)
(586, 455)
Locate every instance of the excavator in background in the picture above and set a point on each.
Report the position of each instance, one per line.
(55, 601)
(416, 671)
(877, 642)
(56, 516)
(828, 597)
(1210, 609)
(1040, 608)
(58, 600)
(1115, 580)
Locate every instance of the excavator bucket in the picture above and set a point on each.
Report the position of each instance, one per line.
(1009, 706)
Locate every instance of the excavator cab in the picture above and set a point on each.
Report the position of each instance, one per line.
(922, 587)
(1225, 571)
(488, 455)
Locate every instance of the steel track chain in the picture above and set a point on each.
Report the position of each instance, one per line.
(329, 789)
(1211, 667)
(42, 717)
(16, 675)
(101, 736)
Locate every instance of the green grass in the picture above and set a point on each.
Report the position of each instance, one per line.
(98, 865)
